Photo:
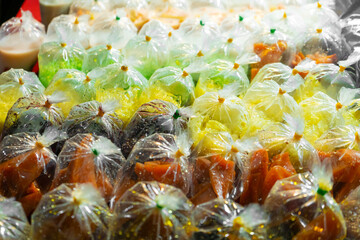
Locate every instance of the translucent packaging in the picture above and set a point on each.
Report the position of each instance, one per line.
(81, 7)
(122, 83)
(159, 157)
(302, 207)
(87, 158)
(113, 29)
(69, 29)
(34, 113)
(96, 118)
(153, 211)
(20, 41)
(225, 219)
(219, 165)
(156, 116)
(288, 138)
(14, 84)
(71, 211)
(272, 99)
(101, 56)
(220, 74)
(27, 166)
(224, 106)
(13, 221)
(350, 209)
(174, 82)
(54, 56)
(76, 85)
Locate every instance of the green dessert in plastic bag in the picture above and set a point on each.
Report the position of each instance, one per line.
(220, 74)
(222, 219)
(174, 82)
(71, 211)
(122, 83)
(54, 56)
(13, 222)
(76, 85)
(14, 84)
(101, 56)
(153, 211)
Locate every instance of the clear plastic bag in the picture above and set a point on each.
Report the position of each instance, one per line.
(13, 221)
(122, 83)
(101, 56)
(54, 56)
(76, 85)
(225, 219)
(34, 113)
(112, 29)
(151, 210)
(96, 118)
(219, 165)
(81, 7)
(199, 31)
(224, 106)
(14, 84)
(175, 83)
(220, 74)
(156, 116)
(350, 209)
(71, 211)
(28, 166)
(288, 138)
(159, 157)
(69, 29)
(272, 47)
(272, 99)
(302, 207)
(87, 158)
(20, 40)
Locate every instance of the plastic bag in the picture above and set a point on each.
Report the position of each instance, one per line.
(350, 209)
(288, 138)
(174, 82)
(54, 56)
(101, 56)
(112, 29)
(122, 83)
(199, 31)
(147, 51)
(28, 166)
(241, 24)
(20, 40)
(329, 78)
(219, 165)
(13, 221)
(71, 211)
(77, 87)
(225, 219)
(151, 210)
(220, 74)
(156, 116)
(272, 99)
(69, 29)
(272, 47)
(224, 106)
(87, 158)
(96, 118)
(81, 7)
(302, 207)
(159, 157)
(320, 12)
(14, 84)
(34, 113)
(322, 113)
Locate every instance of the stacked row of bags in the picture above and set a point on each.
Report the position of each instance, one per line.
(212, 131)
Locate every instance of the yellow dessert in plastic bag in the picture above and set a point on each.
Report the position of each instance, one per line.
(225, 107)
(14, 84)
(272, 99)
